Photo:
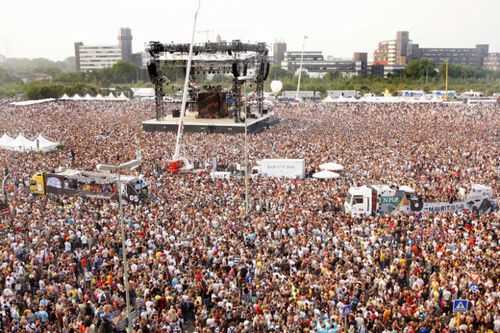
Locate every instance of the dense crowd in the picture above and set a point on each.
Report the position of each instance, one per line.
(294, 263)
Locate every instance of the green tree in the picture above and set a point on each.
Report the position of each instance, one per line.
(278, 73)
(420, 68)
(123, 72)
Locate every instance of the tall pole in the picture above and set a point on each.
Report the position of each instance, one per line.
(185, 91)
(446, 81)
(246, 150)
(300, 68)
(6, 174)
(124, 253)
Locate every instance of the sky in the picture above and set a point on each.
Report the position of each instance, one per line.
(34, 28)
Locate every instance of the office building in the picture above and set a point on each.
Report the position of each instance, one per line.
(492, 62)
(315, 64)
(473, 57)
(125, 42)
(400, 51)
(361, 63)
(91, 57)
(279, 49)
(394, 52)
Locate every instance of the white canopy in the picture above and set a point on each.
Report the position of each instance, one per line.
(328, 99)
(88, 97)
(5, 141)
(123, 97)
(330, 166)
(64, 97)
(98, 97)
(325, 174)
(111, 96)
(44, 144)
(32, 102)
(21, 143)
(76, 97)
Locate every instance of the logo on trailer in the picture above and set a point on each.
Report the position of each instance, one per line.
(54, 182)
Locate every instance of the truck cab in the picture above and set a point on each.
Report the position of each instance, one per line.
(37, 185)
(377, 200)
(181, 165)
(358, 202)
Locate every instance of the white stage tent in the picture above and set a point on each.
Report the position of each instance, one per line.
(5, 140)
(21, 143)
(97, 97)
(328, 99)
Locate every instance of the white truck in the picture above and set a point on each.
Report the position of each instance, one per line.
(384, 199)
(288, 168)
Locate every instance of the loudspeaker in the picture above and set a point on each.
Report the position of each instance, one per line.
(267, 71)
(176, 113)
(236, 74)
(152, 72)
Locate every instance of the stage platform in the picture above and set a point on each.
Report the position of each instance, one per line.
(198, 125)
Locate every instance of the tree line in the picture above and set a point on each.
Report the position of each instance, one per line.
(419, 74)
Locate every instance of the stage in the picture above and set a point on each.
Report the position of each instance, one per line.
(200, 125)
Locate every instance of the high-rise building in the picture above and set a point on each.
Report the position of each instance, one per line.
(279, 49)
(402, 43)
(125, 42)
(394, 52)
(361, 63)
(492, 62)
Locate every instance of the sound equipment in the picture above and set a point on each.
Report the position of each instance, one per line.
(211, 105)
(176, 113)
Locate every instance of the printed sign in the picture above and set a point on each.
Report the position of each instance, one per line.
(346, 310)
(460, 305)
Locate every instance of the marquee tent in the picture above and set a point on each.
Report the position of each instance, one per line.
(44, 144)
(325, 174)
(5, 140)
(32, 102)
(21, 143)
(330, 166)
(123, 97)
(328, 99)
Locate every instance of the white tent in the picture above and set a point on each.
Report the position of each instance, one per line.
(88, 97)
(436, 99)
(123, 97)
(328, 99)
(330, 166)
(64, 97)
(44, 144)
(111, 97)
(76, 97)
(21, 143)
(5, 141)
(32, 102)
(325, 174)
(99, 97)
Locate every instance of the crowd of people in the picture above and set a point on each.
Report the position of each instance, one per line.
(295, 262)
